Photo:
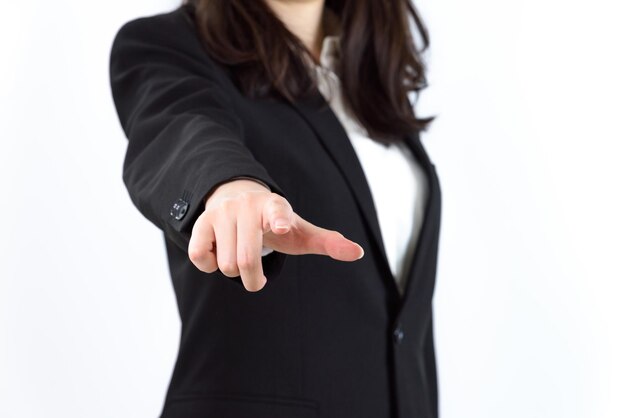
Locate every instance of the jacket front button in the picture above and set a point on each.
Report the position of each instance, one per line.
(398, 335)
(179, 209)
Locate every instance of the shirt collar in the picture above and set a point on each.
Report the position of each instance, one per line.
(330, 53)
(329, 56)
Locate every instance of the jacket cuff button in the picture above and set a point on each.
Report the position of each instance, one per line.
(179, 209)
(398, 335)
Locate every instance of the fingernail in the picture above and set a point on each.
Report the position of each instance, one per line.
(362, 252)
(281, 224)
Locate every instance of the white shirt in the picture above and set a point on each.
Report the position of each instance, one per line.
(398, 184)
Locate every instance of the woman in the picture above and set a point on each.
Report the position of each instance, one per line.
(261, 135)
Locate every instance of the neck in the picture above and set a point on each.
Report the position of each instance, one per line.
(309, 20)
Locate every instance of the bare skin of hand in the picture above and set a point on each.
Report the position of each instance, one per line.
(240, 217)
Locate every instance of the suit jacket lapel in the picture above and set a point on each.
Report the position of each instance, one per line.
(331, 133)
(320, 116)
(430, 222)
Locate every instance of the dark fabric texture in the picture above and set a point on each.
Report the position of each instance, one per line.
(323, 338)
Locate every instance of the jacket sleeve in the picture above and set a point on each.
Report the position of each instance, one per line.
(184, 138)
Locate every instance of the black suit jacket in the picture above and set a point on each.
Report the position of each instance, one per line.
(323, 338)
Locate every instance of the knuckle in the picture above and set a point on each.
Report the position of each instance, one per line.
(278, 200)
(229, 268)
(214, 206)
(247, 199)
(209, 212)
(226, 205)
(209, 268)
(338, 234)
(197, 254)
(245, 259)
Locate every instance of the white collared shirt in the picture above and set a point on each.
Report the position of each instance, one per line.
(397, 182)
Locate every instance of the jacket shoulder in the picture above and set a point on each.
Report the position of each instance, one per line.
(171, 36)
(175, 27)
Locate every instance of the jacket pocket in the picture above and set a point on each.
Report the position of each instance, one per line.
(239, 406)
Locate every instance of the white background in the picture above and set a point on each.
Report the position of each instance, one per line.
(529, 146)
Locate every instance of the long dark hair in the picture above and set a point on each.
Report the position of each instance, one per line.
(380, 63)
